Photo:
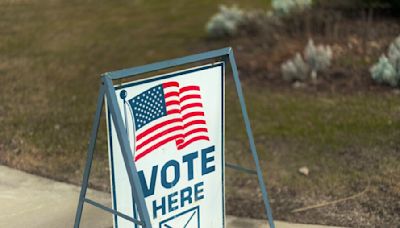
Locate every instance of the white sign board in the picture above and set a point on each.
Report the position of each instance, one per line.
(175, 125)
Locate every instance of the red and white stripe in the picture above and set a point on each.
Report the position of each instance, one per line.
(184, 122)
(194, 123)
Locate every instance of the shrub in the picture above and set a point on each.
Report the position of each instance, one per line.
(285, 7)
(225, 22)
(295, 69)
(384, 72)
(316, 58)
(387, 70)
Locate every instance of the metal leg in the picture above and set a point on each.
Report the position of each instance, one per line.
(136, 187)
(251, 139)
(92, 144)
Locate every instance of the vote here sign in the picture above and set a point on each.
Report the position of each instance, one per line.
(175, 126)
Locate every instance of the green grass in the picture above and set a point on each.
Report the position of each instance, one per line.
(52, 54)
(341, 138)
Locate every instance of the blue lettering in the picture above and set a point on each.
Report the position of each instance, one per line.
(176, 175)
(148, 190)
(189, 160)
(156, 208)
(172, 201)
(186, 195)
(198, 191)
(205, 169)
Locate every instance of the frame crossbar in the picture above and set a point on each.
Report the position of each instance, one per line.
(112, 211)
(129, 72)
(240, 168)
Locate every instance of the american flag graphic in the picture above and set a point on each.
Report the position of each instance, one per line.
(166, 113)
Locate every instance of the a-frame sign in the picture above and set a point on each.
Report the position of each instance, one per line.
(167, 151)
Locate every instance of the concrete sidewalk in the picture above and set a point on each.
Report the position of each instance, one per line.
(30, 201)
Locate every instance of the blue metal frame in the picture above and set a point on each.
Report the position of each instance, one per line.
(107, 89)
(92, 144)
